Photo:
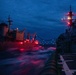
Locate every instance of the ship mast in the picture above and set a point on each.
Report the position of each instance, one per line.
(9, 23)
(70, 17)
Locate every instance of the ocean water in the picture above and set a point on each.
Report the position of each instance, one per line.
(23, 63)
(37, 16)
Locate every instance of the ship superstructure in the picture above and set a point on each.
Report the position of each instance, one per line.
(66, 42)
(7, 34)
(16, 38)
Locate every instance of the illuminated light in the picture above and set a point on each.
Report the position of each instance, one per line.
(16, 28)
(53, 48)
(69, 18)
(27, 40)
(21, 43)
(22, 49)
(68, 23)
(36, 42)
(68, 13)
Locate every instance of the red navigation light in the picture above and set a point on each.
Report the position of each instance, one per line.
(36, 42)
(27, 40)
(21, 43)
(69, 23)
(68, 13)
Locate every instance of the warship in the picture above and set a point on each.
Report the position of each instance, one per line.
(66, 46)
(66, 42)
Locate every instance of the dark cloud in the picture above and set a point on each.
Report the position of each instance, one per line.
(42, 16)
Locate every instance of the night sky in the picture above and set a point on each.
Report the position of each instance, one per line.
(40, 16)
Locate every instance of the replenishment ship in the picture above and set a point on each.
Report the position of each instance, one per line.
(15, 38)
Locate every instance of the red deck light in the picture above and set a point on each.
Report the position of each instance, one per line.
(21, 43)
(27, 40)
(36, 42)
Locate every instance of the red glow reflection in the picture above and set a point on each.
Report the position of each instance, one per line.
(35, 62)
(22, 49)
(36, 42)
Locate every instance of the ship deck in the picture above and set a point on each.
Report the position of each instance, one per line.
(68, 62)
